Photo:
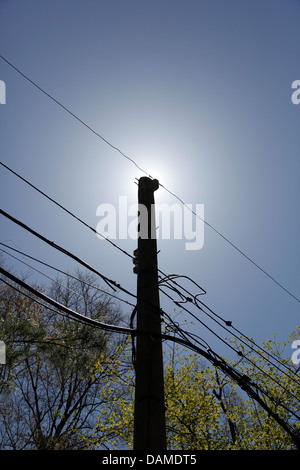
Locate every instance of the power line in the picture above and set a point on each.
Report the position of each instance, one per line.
(244, 356)
(146, 173)
(63, 308)
(232, 244)
(60, 271)
(35, 300)
(73, 115)
(184, 335)
(169, 277)
(64, 209)
(243, 380)
(251, 343)
(112, 284)
(192, 299)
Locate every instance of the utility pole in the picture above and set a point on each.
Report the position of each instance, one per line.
(149, 410)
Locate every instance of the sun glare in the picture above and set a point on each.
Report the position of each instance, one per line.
(159, 169)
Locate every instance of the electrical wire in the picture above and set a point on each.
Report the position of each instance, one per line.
(242, 355)
(242, 375)
(233, 245)
(193, 299)
(63, 308)
(251, 344)
(147, 174)
(242, 380)
(35, 300)
(239, 353)
(73, 115)
(61, 272)
(112, 284)
(66, 210)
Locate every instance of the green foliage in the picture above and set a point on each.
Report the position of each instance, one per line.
(115, 420)
(192, 415)
(206, 410)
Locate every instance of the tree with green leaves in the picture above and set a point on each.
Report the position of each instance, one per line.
(207, 410)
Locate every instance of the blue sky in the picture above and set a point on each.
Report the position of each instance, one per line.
(198, 94)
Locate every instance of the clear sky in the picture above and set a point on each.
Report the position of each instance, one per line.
(198, 94)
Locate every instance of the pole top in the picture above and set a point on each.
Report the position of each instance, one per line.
(147, 184)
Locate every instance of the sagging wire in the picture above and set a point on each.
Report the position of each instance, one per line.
(164, 281)
(66, 210)
(193, 299)
(242, 339)
(202, 306)
(63, 308)
(83, 281)
(189, 300)
(112, 284)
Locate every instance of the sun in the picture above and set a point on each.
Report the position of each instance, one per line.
(158, 168)
(154, 164)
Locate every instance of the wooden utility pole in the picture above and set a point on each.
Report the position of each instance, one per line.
(149, 411)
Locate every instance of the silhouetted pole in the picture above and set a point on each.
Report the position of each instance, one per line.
(149, 411)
